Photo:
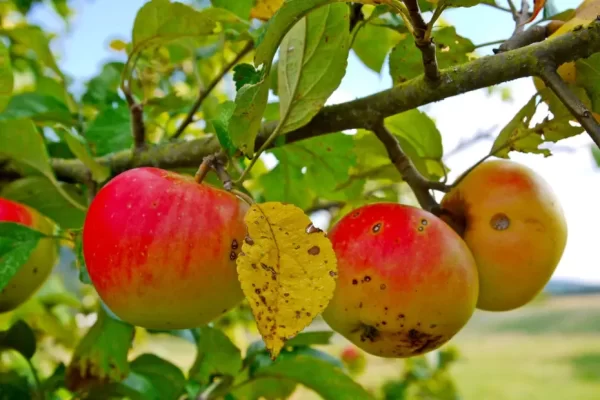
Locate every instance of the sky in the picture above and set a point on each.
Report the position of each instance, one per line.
(570, 171)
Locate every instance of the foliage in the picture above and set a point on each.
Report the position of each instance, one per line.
(254, 74)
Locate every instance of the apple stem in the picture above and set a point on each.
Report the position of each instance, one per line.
(243, 196)
(203, 169)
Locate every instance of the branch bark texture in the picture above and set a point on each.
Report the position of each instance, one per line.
(366, 112)
(422, 42)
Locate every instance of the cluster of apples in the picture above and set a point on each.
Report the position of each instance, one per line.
(161, 251)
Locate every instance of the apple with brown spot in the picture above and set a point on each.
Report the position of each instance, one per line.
(160, 248)
(513, 223)
(407, 283)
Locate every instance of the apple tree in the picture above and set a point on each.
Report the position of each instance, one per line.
(170, 204)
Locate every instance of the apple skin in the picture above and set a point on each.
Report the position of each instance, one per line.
(514, 225)
(38, 267)
(407, 283)
(160, 248)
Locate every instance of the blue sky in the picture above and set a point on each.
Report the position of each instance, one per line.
(573, 175)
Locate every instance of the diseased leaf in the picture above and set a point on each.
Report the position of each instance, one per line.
(17, 242)
(6, 76)
(288, 271)
(18, 337)
(406, 60)
(373, 43)
(101, 355)
(538, 5)
(20, 141)
(39, 193)
(38, 107)
(245, 74)
(79, 147)
(312, 63)
(215, 355)
(265, 9)
(110, 131)
(330, 383)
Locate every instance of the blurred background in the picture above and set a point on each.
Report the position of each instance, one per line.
(547, 350)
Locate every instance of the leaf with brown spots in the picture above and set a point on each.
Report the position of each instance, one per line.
(287, 271)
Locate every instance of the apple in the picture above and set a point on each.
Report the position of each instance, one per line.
(512, 221)
(160, 248)
(38, 267)
(407, 283)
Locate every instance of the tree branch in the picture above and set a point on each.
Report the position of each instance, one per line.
(203, 94)
(364, 112)
(571, 101)
(419, 185)
(423, 41)
(532, 35)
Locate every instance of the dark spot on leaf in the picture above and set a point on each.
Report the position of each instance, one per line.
(249, 240)
(313, 251)
(308, 314)
(384, 322)
(312, 229)
(35, 270)
(332, 273)
(298, 314)
(254, 266)
(432, 326)
(286, 294)
(257, 291)
(264, 300)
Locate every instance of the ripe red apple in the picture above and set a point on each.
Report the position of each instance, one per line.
(513, 222)
(160, 248)
(38, 267)
(407, 283)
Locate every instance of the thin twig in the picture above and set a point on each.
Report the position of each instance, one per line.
(584, 116)
(204, 92)
(423, 41)
(532, 35)
(419, 185)
(463, 144)
(522, 18)
(138, 129)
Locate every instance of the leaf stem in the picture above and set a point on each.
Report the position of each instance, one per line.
(205, 92)
(36, 378)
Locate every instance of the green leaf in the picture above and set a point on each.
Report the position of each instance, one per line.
(51, 87)
(102, 89)
(41, 194)
(6, 76)
(101, 355)
(19, 337)
(330, 383)
(517, 136)
(312, 63)
(265, 389)
(41, 108)
(462, 3)
(84, 275)
(27, 148)
(160, 21)
(245, 74)
(311, 338)
(596, 154)
(406, 61)
(250, 103)
(216, 354)
(284, 183)
(241, 8)
(167, 379)
(79, 147)
(34, 38)
(17, 242)
(110, 131)
(224, 113)
(373, 43)
(588, 77)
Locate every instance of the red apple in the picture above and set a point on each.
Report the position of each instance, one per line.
(407, 283)
(38, 267)
(160, 248)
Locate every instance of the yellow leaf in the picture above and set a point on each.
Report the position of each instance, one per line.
(287, 269)
(265, 9)
(118, 45)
